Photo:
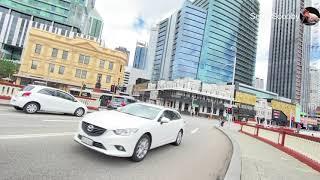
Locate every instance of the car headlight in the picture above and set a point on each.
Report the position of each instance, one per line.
(125, 132)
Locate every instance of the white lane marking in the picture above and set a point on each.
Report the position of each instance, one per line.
(195, 130)
(24, 136)
(55, 120)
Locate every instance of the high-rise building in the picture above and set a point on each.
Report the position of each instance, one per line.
(230, 34)
(165, 41)
(289, 58)
(140, 56)
(314, 86)
(259, 83)
(204, 40)
(16, 17)
(151, 51)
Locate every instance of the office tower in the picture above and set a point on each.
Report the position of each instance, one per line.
(289, 56)
(140, 56)
(151, 51)
(314, 86)
(259, 83)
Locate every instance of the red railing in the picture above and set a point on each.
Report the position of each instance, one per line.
(302, 147)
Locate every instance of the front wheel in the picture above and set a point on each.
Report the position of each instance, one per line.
(141, 149)
(79, 112)
(178, 139)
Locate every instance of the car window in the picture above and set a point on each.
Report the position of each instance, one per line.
(177, 115)
(28, 88)
(49, 92)
(169, 114)
(64, 96)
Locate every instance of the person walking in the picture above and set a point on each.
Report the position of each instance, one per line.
(298, 128)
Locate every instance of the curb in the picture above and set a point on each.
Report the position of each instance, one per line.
(234, 168)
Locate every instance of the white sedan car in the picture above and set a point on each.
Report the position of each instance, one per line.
(131, 131)
(35, 98)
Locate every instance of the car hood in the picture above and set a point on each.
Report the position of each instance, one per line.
(115, 120)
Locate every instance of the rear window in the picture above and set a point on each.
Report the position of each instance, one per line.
(28, 88)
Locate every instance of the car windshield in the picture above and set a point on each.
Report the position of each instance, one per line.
(28, 88)
(141, 110)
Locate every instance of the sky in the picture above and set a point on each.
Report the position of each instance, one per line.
(129, 21)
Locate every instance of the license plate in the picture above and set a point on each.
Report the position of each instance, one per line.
(87, 141)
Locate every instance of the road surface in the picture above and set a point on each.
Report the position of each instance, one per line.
(40, 146)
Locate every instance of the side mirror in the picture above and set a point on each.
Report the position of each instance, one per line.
(164, 120)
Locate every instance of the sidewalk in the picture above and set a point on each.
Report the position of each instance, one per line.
(261, 161)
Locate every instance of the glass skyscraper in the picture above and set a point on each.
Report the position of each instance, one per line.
(140, 56)
(230, 38)
(187, 42)
(214, 41)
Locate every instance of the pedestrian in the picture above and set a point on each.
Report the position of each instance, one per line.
(222, 121)
(298, 128)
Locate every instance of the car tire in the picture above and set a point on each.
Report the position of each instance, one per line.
(79, 112)
(31, 108)
(141, 149)
(179, 138)
(18, 108)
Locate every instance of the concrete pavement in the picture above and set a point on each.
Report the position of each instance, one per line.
(40, 146)
(262, 161)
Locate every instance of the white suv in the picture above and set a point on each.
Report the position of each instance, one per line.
(35, 98)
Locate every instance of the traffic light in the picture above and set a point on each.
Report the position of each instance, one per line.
(114, 88)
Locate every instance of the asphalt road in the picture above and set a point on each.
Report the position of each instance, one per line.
(40, 146)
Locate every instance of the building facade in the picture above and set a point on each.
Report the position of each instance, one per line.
(259, 83)
(188, 41)
(230, 38)
(140, 56)
(289, 58)
(314, 87)
(69, 61)
(188, 96)
(315, 37)
(16, 17)
(204, 40)
(151, 51)
(163, 55)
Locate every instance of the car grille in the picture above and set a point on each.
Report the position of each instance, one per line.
(95, 131)
(95, 144)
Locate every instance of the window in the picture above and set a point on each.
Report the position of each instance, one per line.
(170, 115)
(84, 59)
(49, 92)
(111, 66)
(87, 60)
(108, 79)
(102, 63)
(61, 69)
(63, 95)
(28, 88)
(54, 52)
(38, 48)
(78, 73)
(121, 68)
(65, 55)
(51, 68)
(99, 76)
(34, 64)
(81, 59)
(83, 74)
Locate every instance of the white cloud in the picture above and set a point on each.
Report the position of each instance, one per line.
(120, 16)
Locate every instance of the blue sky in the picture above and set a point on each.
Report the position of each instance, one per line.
(129, 21)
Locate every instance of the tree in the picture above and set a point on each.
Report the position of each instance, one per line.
(7, 68)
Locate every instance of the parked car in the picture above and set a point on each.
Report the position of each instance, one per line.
(34, 98)
(131, 131)
(120, 101)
